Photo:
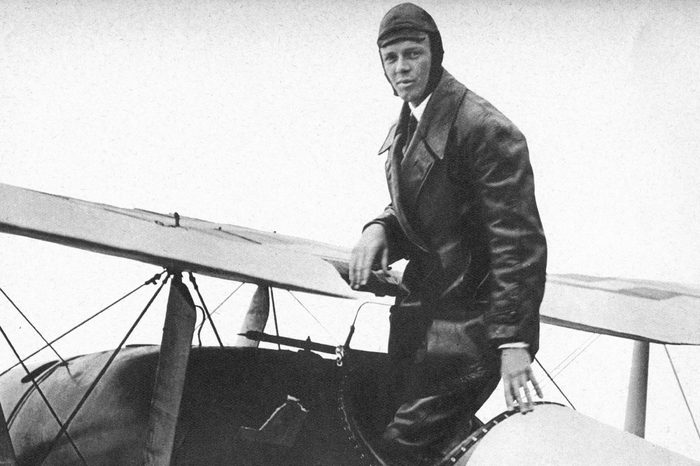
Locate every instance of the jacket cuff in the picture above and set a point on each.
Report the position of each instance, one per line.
(500, 334)
(517, 344)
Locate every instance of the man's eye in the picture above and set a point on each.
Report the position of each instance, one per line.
(389, 59)
(414, 54)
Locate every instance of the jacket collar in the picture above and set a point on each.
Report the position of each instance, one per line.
(434, 126)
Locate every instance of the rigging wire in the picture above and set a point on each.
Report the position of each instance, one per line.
(579, 351)
(152, 281)
(685, 399)
(91, 388)
(314, 317)
(227, 298)
(351, 332)
(43, 397)
(206, 311)
(63, 361)
(555, 384)
(220, 304)
(274, 315)
(359, 308)
(199, 330)
(572, 356)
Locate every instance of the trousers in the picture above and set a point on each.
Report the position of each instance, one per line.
(435, 398)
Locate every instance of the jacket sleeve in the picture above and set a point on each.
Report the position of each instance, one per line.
(517, 251)
(394, 233)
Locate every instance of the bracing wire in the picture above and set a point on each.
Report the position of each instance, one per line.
(227, 298)
(274, 315)
(313, 316)
(354, 321)
(152, 281)
(555, 384)
(43, 397)
(680, 386)
(199, 329)
(201, 326)
(206, 311)
(572, 356)
(32, 326)
(91, 388)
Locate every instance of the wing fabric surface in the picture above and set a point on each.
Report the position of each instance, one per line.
(227, 252)
(639, 309)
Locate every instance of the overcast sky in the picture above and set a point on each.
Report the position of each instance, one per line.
(269, 114)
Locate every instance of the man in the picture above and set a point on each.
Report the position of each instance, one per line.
(463, 213)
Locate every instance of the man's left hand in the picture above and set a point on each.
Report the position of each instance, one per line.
(516, 373)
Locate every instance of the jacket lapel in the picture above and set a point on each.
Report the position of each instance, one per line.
(394, 144)
(440, 113)
(431, 136)
(406, 173)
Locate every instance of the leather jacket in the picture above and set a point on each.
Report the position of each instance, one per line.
(463, 213)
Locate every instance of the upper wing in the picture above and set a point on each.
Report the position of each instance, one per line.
(639, 309)
(223, 251)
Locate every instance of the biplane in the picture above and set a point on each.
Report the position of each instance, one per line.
(309, 404)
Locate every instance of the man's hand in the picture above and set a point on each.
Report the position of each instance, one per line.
(372, 243)
(516, 372)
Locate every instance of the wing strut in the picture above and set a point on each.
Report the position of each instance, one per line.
(635, 417)
(256, 317)
(169, 384)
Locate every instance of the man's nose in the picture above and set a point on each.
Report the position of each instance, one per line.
(402, 65)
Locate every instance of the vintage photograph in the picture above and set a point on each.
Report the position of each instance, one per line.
(362, 233)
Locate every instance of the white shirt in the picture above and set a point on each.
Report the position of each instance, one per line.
(417, 111)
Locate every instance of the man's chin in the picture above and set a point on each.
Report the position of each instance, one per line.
(407, 96)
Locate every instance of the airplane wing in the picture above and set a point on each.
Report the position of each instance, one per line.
(644, 310)
(638, 309)
(181, 243)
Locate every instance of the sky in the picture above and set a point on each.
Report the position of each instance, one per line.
(270, 114)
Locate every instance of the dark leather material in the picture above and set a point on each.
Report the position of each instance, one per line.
(463, 212)
(425, 426)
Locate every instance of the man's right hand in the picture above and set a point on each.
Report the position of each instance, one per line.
(372, 243)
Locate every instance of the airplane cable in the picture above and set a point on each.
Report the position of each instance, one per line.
(63, 361)
(312, 316)
(220, 304)
(555, 384)
(152, 281)
(91, 388)
(354, 321)
(43, 397)
(575, 353)
(201, 326)
(685, 399)
(274, 315)
(572, 356)
(204, 306)
(227, 298)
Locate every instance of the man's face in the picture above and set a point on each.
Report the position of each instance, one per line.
(407, 65)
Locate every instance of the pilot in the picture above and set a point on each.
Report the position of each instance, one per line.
(463, 213)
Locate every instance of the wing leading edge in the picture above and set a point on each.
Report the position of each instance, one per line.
(171, 241)
(638, 309)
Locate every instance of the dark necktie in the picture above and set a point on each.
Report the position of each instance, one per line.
(412, 124)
